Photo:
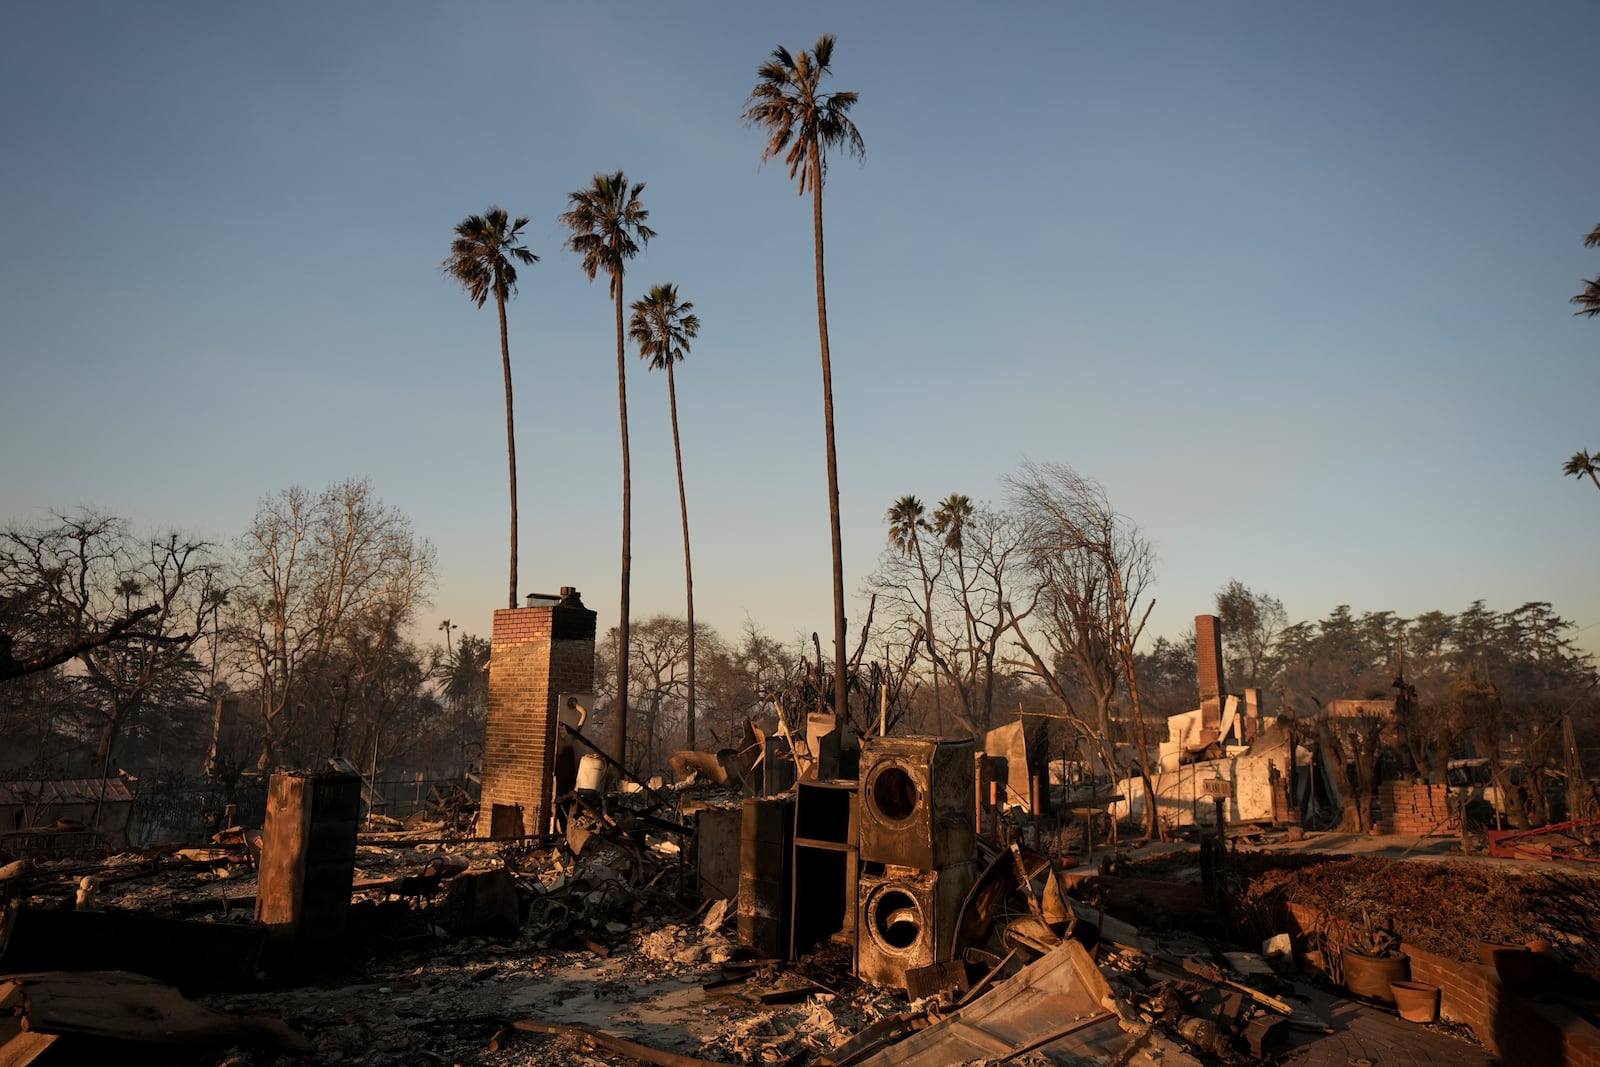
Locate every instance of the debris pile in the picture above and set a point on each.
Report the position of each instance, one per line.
(1448, 908)
(842, 922)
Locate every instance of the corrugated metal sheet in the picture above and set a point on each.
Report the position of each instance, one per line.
(63, 791)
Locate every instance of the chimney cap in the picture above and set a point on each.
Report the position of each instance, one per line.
(568, 597)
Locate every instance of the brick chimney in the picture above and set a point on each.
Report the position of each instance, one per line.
(1252, 714)
(1208, 656)
(536, 653)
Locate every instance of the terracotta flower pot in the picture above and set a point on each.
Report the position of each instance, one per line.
(1417, 1002)
(1371, 976)
(1487, 949)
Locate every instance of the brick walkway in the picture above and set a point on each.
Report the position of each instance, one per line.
(1372, 1036)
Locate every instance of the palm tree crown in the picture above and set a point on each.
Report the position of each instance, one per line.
(662, 327)
(607, 224)
(482, 253)
(1583, 465)
(905, 518)
(801, 121)
(951, 518)
(1588, 301)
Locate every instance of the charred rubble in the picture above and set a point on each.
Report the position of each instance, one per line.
(890, 917)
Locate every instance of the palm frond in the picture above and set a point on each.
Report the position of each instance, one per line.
(1588, 301)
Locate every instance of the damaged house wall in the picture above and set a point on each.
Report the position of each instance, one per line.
(536, 653)
(1258, 776)
(1256, 762)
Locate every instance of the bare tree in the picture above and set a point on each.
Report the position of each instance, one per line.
(984, 554)
(659, 670)
(944, 584)
(1072, 535)
(326, 580)
(129, 610)
(1250, 623)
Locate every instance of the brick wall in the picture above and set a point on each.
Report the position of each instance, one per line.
(1518, 1030)
(1415, 810)
(535, 655)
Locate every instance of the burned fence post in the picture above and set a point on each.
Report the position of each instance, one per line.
(308, 856)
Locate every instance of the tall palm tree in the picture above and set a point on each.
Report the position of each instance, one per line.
(951, 518)
(1584, 465)
(607, 227)
(483, 258)
(905, 519)
(1588, 301)
(663, 327)
(802, 124)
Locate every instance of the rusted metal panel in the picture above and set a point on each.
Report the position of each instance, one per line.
(1053, 1005)
(717, 850)
(917, 798)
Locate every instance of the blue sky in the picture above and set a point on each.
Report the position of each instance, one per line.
(1291, 281)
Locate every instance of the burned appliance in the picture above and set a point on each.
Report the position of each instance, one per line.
(917, 801)
(917, 841)
(907, 919)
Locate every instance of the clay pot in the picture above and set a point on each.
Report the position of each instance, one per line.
(1417, 1002)
(1371, 976)
(1487, 949)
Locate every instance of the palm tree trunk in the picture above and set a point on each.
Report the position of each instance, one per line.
(619, 742)
(688, 570)
(511, 448)
(841, 706)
